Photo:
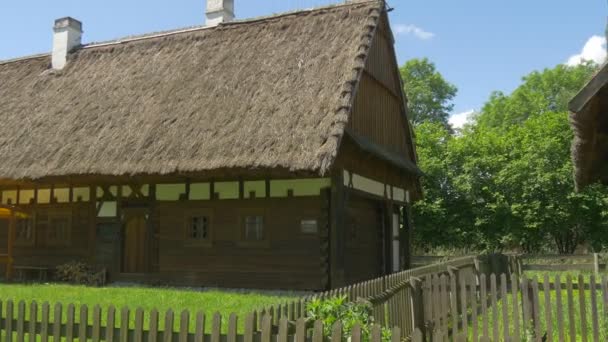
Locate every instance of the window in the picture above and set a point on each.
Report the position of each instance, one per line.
(254, 228)
(58, 232)
(24, 232)
(57, 223)
(199, 228)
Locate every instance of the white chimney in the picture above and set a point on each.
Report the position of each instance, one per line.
(219, 11)
(67, 36)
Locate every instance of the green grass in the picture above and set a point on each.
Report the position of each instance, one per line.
(602, 320)
(147, 298)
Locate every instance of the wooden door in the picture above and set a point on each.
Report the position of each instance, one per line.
(134, 246)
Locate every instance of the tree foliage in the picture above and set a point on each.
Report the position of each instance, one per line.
(429, 94)
(505, 182)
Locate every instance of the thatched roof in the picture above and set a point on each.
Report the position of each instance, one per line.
(589, 120)
(270, 93)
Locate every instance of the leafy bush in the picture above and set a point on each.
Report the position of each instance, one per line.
(76, 272)
(331, 310)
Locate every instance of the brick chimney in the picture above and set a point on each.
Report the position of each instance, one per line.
(67, 36)
(219, 11)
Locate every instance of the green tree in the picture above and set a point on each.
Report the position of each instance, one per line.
(549, 90)
(500, 185)
(429, 94)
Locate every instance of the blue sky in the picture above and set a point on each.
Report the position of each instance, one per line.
(479, 45)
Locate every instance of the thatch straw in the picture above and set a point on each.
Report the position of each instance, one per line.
(265, 94)
(589, 120)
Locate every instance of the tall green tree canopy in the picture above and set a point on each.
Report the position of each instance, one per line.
(505, 182)
(544, 91)
(429, 94)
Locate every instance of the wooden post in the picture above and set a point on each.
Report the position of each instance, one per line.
(596, 264)
(337, 231)
(11, 242)
(417, 304)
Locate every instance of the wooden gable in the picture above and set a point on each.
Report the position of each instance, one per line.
(379, 112)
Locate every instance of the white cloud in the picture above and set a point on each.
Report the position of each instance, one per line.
(460, 119)
(413, 30)
(594, 50)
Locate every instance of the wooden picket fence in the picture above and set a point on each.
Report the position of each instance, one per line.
(393, 298)
(554, 262)
(513, 308)
(113, 326)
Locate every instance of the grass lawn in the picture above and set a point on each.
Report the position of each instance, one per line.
(147, 298)
(602, 320)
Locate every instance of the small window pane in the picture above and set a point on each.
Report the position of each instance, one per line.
(199, 191)
(199, 228)
(44, 196)
(58, 230)
(108, 209)
(81, 194)
(62, 195)
(254, 228)
(170, 192)
(9, 197)
(26, 196)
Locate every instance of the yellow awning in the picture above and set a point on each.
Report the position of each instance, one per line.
(5, 213)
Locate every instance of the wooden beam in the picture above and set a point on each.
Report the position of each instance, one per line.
(337, 233)
(578, 103)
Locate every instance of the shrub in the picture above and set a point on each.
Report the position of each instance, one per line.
(76, 272)
(331, 310)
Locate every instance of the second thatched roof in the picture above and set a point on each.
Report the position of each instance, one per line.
(260, 94)
(589, 120)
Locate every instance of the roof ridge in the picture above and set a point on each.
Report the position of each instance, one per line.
(160, 34)
(24, 58)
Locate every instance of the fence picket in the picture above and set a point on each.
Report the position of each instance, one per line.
(184, 325)
(526, 311)
(463, 305)
(395, 335)
(494, 296)
(445, 307)
(515, 306)
(571, 322)
(548, 315)
(44, 322)
(282, 330)
(317, 333)
(216, 327)
(336, 332)
(124, 324)
(536, 309)
(9, 320)
(483, 298)
(153, 326)
(168, 332)
(248, 336)
(559, 313)
(20, 320)
(454, 304)
(138, 334)
(111, 323)
(84, 322)
(69, 329)
(96, 331)
(417, 336)
(594, 316)
(473, 294)
(583, 311)
(32, 321)
(232, 325)
(301, 331)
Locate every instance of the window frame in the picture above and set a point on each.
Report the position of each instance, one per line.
(242, 240)
(192, 213)
(55, 213)
(26, 243)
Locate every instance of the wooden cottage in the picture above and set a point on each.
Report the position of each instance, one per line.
(266, 153)
(589, 120)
